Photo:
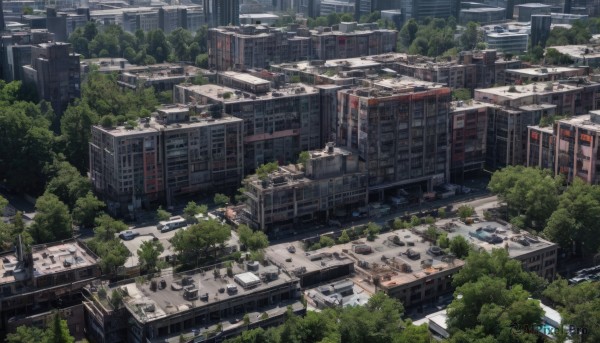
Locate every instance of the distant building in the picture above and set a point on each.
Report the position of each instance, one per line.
(482, 15)
(525, 11)
(16, 51)
(540, 29)
(257, 46)
(221, 12)
(336, 6)
(507, 42)
(546, 74)
(179, 152)
(331, 181)
(163, 77)
(55, 72)
(580, 54)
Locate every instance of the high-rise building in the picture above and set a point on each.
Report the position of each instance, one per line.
(172, 154)
(222, 12)
(55, 72)
(400, 129)
(540, 29)
(2, 24)
(16, 51)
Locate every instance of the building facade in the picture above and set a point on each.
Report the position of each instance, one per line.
(174, 154)
(577, 147)
(221, 12)
(278, 124)
(400, 129)
(541, 147)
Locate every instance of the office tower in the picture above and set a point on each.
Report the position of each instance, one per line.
(222, 12)
(540, 29)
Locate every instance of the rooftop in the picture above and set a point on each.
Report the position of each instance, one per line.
(245, 77)
(155, 126)
(534, 5)
(506, 34)
(546, 129)
(543, 71)
(459, 106)
(527, 90)
(47, 259)
(577, 51)
(217, 92)
(584, 121)
(148, 305)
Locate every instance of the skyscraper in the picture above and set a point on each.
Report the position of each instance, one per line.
(222, 12)
(540, 29)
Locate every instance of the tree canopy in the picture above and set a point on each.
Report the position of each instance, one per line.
(198, 239)
(56, 332)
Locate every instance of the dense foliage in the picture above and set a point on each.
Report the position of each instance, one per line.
(379, 321)
(56, 332)
(436, 37)
(567, 215)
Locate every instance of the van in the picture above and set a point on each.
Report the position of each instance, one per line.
(171, 224)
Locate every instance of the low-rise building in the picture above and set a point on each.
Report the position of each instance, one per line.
(580, 54)
(46, 277)
(331, 183)
(205, 305)
(545, 74)
(163, 77)
(525, 11)
(482, 15)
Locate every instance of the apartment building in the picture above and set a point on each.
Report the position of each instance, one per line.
(55, 73)
(221, 12)
(194, 306)
(257, 46)
(577, 146)
(180, 151)
(16, 51)
(278, 124)
(349, 40)
(541, 146)
(468, 137)
(147, 18)
(524, 106)
(400, 129)
(331, 181)
(162, 76)
(46, 277)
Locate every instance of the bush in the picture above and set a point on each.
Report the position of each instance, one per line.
(415, 221)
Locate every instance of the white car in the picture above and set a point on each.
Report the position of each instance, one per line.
(128, 235)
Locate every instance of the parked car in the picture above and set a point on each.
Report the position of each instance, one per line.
(128, 235)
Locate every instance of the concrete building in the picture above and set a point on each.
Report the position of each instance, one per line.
(577, 146)
(482, 15)
(566, 18)
(162, 76)
(507, 42)
(258, 19)
(540, 29)
(278, 124)
(55, 72)
(336, 6)
(351, 40)
(580, 54)
(399, 128)
(541, 147)
(16, 51)
(180, 151)
(468, 138)
(406, 265)
(331, 183)
(196, 306)
(244, 47)
(523, 12)
(221, 12)
(46, 277)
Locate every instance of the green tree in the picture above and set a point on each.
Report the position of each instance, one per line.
(443, 241)
(221, 199)
(492, 308)
(373, 230)
(461, 94)
(192, 209)
(106, 227)
(465, 211)
(344, 238)
(326, 241)
(58, 331)
(415, 221)
(87, 209)
(499, 264)
(303, 158)
(75, 127)
(148, 254)
(265, 169)
(459, 246)
(470, 37)
(26, 334)
(253, 241)
(67, 183)
(52, 221)
(579, 305)
(198, 239)
(162, 214)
